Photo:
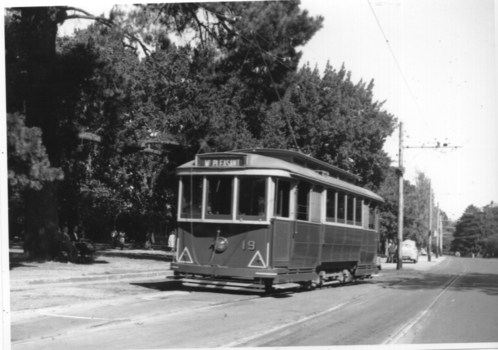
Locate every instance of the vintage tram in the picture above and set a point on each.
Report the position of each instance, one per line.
(267, 219)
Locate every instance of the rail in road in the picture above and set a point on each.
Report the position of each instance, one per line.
(395, 308)
(411, 323)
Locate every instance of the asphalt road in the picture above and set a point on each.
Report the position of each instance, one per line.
(452, 302)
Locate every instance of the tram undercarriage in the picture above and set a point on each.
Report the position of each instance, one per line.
(292, 280)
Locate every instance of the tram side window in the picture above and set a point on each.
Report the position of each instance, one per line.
(303, 191)
(371, 217)
(359, 211)
(191, 197)
(219, 197)
(341, 208)
(315, 204)
(282, 195)
(350, 209)
(252, 198)
(330, 213)
(366, 214)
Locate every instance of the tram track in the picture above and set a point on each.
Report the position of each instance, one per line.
(418, 317)
(372, 293)
(369, 297)
(54, 313)
(249, 340)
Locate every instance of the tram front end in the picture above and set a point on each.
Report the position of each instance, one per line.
(223, 225)
(223, 256)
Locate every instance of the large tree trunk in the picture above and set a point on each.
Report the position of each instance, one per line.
(42, 222)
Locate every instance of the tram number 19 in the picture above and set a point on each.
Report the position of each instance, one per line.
(251, 245)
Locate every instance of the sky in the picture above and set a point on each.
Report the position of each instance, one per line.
(433, 63)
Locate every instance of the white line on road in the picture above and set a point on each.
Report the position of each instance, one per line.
(277, 328)
(163, 295)
(80, 317)
(421, 314)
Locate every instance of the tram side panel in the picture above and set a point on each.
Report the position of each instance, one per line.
(281, 242)
(306, 245)
(301, 245)
(341, 248)
(368, 255)
(295, 245)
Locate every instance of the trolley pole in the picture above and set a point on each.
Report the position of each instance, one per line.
(430, 223)
(400, 208)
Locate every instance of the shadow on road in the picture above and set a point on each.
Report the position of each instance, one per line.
(138, 256)
(483, 282)
(176, 285)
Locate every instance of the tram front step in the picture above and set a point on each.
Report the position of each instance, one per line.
(286, 286)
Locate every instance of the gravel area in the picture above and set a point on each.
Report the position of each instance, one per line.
(32, 283)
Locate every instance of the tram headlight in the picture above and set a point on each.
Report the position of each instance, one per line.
(220, 244)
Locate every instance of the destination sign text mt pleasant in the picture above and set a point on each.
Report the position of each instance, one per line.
(222, 162)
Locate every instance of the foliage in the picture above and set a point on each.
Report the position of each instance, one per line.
(28, 164)
(416, 210)
(333, 120)
(174, 90)
(28, 167)
(476, 231)
(235, 85)
(389, 191)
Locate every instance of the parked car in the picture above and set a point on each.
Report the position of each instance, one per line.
(409, 251)
(423, 251)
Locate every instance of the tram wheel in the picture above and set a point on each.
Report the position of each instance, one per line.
(269, 287)
(308, 285)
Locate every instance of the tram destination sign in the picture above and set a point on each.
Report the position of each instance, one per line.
(222, 162)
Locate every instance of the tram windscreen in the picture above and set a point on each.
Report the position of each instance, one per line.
(191, 197)
(219, 197)
(252, 198)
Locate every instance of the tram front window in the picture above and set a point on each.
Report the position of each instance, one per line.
(191, 197)
(252, 198)
(219, 197)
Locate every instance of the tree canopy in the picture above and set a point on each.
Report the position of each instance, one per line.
(125, 80)
(477, 231)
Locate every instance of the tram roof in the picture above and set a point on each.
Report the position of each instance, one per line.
(303, 160)
(296, 164)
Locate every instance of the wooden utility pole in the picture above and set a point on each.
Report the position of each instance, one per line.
(430, 223)
(441, 235)
(400, 208)
(437, 232)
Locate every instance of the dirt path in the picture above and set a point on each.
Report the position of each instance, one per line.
(36, 285)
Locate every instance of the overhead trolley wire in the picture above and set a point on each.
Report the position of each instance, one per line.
(280, 100)
(399, 68)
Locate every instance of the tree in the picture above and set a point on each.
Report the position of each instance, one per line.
(42, 93)
(475, 231)
(418, 204)
(334, 120)
(388, 190)
(28, 168)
